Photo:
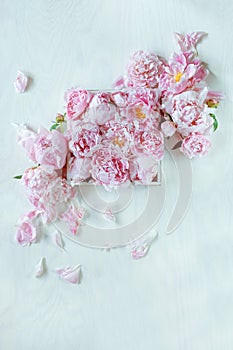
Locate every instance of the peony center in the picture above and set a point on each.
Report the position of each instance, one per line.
(178, 76)
(139, 113)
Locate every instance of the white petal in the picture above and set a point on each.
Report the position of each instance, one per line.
(40, 268)
(57, 239)
(20, 82)
(71, 274)
(108, 215)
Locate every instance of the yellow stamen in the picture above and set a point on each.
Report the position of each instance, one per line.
(178, 77)
(139, 113)
(118, 142)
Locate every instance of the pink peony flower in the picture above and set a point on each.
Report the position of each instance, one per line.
(46, 191)
(79, 168)
(144, 96)
(189, 112)
(26, 139)
(77, 100)
(109, 167)
(27, 231)
(168, 128)
(149, 143)
(143, 169)
(101, 109)
(20, 84)
(144, 69)
(118, 134)
(195, 145)
(50, 150)
(120, 98)
(182, 73)
(189, 41)
(84, 138)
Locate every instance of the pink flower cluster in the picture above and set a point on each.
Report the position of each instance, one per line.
(113, 138)
(184, 100)
(116, 137)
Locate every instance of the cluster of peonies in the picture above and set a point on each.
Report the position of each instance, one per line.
(117, 137)
(113, 138)
(186, 104)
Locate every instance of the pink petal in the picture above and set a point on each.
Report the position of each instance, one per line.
(140, 251)
(108, 215)
(142, 245)
(71, 274)
(20, 83)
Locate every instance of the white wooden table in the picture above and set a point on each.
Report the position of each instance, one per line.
(180, 296)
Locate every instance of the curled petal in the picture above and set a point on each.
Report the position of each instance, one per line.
(71, 274)
(57, 239)
(20, 82)
(40, 268)
(140, 252)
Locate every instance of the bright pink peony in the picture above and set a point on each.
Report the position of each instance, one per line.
(182, 72)
(195, 145)
(50, 150)
(77, 100)
(109, 167)
(144, 69)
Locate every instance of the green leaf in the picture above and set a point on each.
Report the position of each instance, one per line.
(54, 126)
(18, 177)
(215, 125)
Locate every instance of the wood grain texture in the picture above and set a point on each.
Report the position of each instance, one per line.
(181, 296)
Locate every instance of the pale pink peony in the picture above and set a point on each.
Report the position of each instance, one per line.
(195, 145)
(20, 84)
(77, 100)
(84, 138)
(46, 191)
(79, 168)
(189, 41)
(120, 98)
(50, 149)
(182, 72)
(118, 134)
(144, 69)
(101, 109)
(110, 168)
(26, 139)
(189, 112)
(143, 169)
(149, 143)
(168, 128)
(27, 230)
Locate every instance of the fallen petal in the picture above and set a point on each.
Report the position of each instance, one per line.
(108, 215)
(40, 268)
(71, 274)
(140, 251)
(20, 82)
(57, 239)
